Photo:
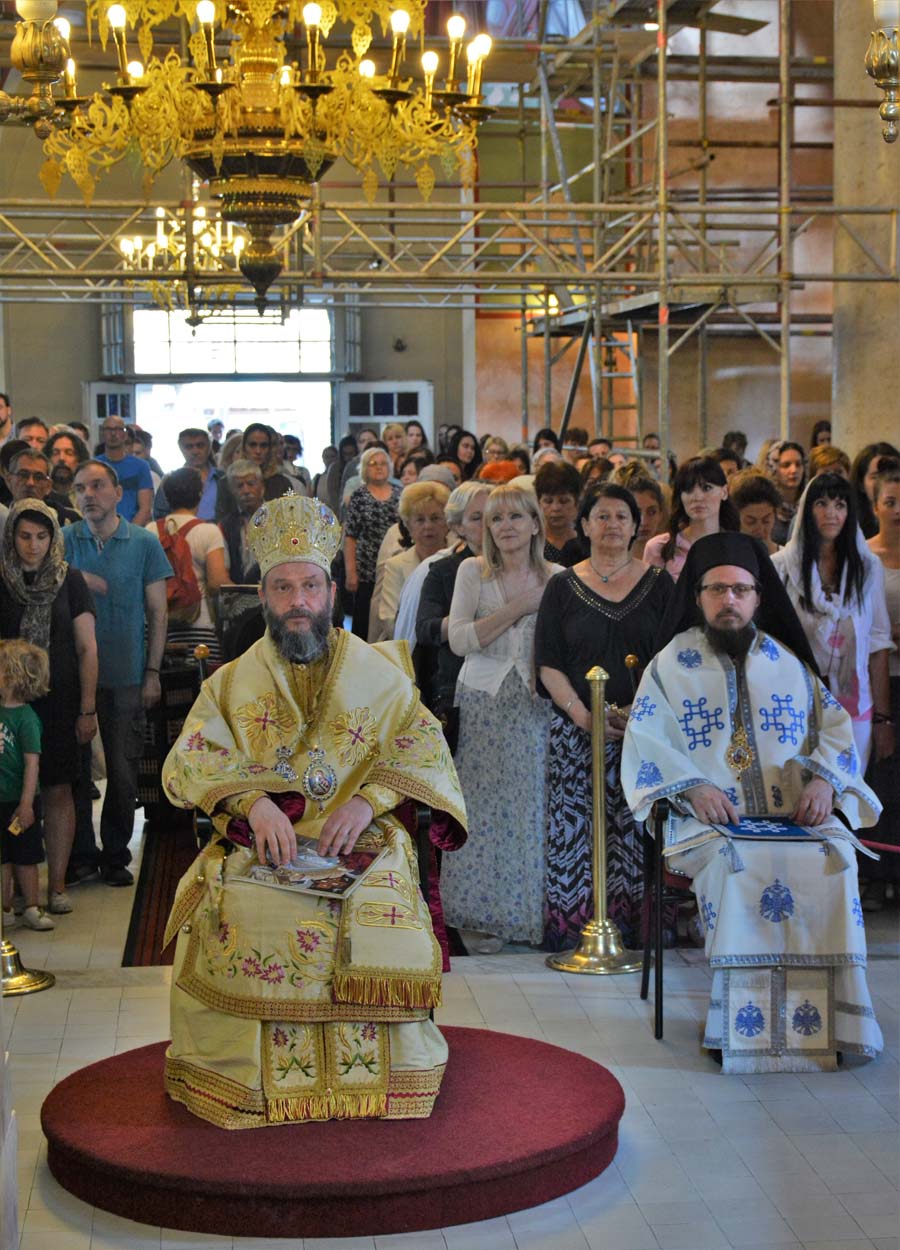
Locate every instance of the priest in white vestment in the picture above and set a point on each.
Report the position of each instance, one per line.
(732, 724)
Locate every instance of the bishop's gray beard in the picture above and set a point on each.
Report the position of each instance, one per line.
(735, 643)
(299, 646)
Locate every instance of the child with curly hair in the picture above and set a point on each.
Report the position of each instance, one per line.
(24, 676)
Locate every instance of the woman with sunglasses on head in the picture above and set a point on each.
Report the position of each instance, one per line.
(494, 886)
(836, 585)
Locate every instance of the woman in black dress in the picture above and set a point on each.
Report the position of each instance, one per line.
(604, 608)
(47, 602)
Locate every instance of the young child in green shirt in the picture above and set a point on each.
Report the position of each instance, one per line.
(24, 676)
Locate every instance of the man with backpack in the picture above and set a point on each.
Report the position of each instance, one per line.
(126, 569)
(196, 551)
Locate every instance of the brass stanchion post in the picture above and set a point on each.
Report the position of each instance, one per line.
(600, 949)
(18, 979)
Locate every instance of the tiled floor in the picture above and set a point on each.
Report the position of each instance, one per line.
(705, 1161)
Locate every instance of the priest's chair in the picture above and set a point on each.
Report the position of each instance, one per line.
(661, 887)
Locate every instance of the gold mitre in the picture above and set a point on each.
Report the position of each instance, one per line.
(292, 529)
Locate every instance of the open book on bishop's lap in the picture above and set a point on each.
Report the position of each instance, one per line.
(769, 829)
(331, 876)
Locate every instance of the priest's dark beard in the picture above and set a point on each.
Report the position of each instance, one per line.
(734, 643)
(299, 646)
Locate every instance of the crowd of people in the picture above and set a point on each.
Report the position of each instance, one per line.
(510, 571)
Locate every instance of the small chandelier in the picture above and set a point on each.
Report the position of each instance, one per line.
(257, 128)
(883, 63)
(186, 243)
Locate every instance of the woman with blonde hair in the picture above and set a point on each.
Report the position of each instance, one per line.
(394, 438)
(495, 887)
(421, 509)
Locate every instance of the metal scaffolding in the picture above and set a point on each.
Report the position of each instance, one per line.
(643, 256)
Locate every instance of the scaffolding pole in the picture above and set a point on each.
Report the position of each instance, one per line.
(662, 148)
(784, 206)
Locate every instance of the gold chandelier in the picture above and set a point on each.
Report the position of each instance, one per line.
(187, 242)
(258, 128)
(883, 63)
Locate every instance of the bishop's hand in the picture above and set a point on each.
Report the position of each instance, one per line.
(712, 806)
(344, 825)
(815, 803)
(276, 841)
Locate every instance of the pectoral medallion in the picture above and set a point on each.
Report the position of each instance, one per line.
(283, 767)
(319, 782)
(739, 755)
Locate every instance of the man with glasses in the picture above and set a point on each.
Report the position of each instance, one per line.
(133, 473)
(29, 478)
(733, 726)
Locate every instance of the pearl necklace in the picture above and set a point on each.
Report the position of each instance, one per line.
(606, 577)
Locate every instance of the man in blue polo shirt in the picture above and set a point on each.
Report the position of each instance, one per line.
(133, 473)
(126, 568)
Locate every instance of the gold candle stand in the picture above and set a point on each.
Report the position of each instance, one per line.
(600, 949)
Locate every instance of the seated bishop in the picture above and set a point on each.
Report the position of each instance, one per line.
(732, 724)
(287, 1005)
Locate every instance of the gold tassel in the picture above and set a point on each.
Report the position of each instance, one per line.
(355, 987)
(326, 1107)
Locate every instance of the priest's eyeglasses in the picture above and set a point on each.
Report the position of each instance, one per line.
(740, 590)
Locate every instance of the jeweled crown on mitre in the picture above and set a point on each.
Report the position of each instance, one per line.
(293, 529)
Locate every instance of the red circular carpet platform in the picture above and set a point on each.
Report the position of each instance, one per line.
(517, 1123)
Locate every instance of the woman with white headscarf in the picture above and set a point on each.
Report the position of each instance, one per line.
(836, 585)
(47, 602)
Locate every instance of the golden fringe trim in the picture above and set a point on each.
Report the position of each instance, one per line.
(369, 991)
(326, 1107)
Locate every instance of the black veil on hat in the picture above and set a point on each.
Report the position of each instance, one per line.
(775, 615)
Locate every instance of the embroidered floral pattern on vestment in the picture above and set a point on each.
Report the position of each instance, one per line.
(355, 735)
(267, 721)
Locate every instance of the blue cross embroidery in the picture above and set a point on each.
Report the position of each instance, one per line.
(784, 718)
(641, 708)
(768, 649)
(776, 902)
(806, 1019)
(777, 796)
(847, 760)
(856, 908)
(732, 795)
(648, 775)
(689, 658)
(749, 1021)
(707, 912)
(763, 826)
(709, 721)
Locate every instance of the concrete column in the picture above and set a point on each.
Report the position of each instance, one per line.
(866, 362)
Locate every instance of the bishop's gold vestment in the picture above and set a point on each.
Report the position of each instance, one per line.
(286, 1006)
